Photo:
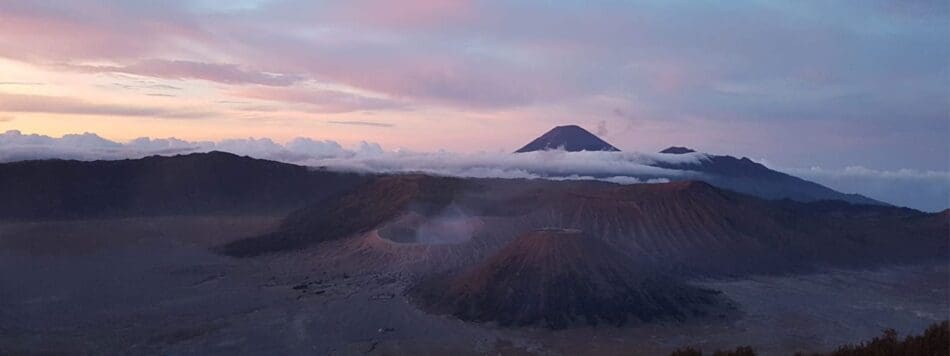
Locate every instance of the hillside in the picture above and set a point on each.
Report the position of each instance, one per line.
(557, 278)
(690, 227)
(199, 183)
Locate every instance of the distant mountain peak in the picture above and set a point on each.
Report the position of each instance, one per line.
(677, 150)
(571, 138)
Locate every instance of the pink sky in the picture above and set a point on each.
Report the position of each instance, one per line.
(799, 84)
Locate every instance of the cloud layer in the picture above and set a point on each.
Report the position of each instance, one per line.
(365, 157)
(924, 190)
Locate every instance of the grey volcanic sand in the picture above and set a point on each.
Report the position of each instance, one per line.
(152, 286)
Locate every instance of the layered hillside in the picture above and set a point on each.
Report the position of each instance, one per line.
(199, 183)
(364, 208)
(558, 278)
(690, 227)
(698, 228)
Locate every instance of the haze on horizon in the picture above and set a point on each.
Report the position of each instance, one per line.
(803, 84)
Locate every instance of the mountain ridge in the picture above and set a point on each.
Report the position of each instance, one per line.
(747, 176)
(197, 183)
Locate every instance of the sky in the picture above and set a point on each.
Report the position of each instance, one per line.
(813, 86)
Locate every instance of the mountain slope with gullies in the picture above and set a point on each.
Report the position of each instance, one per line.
(746, 176)
(557, 278)
(689, 226)
(359, 210)
(198, 183)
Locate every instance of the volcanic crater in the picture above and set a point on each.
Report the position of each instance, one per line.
(450, 226)
(560, 277)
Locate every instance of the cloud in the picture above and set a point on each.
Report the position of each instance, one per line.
(601, 128)
(15, 146)
(146, 145)
(859, 172)
(319, 100)
(921, 189)
(67, 105)
(361, 123)
(548, 164)
(22, 83)
(53, 31)
(414, 14)
(133, 83)
(364, 157)
(181, 69)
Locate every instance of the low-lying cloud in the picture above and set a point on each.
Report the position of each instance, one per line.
(365, 157)
(621, 167)
(924, 190)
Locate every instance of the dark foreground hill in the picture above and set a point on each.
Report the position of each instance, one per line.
(935, 340)
(365, 207)
(557, 278)
(687, 226)
(199, 183)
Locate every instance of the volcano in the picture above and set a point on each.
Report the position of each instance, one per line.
(677, 150)
(571, 138)
(557, 278)
(737, 174)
